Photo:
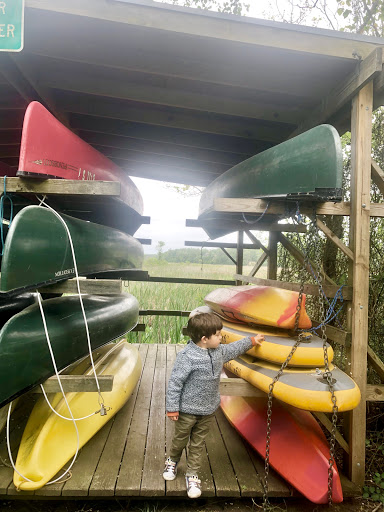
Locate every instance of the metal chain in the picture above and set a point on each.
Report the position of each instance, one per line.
(330, 381)
(266, 504)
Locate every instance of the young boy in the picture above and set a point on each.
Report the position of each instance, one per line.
(193, 392)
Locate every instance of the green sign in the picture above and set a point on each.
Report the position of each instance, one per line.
(11, 25)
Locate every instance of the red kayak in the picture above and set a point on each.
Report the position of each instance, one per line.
(50, 150)
(299, 450)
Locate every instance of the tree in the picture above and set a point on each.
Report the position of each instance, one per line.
(159, 248)
(230, 6)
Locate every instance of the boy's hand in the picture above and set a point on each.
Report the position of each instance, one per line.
(174, 416)
(257, 340)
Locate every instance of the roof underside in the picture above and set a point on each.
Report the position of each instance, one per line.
(177, 94)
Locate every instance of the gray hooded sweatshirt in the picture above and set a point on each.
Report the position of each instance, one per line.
(193, 387)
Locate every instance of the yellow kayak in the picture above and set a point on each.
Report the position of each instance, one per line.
(304, 388)
(49, 442)
(277, 343)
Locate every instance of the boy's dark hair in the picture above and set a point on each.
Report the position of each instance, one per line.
(203, 324)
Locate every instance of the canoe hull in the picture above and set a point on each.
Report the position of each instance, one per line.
(295, 436)
(39, 237)
(303, 388)
(46, 434)
(307, 166)
(25, 360)
(50, 150)
(262, 305)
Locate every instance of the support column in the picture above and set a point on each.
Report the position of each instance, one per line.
(272, 256)
(240, 255)
(359, 243)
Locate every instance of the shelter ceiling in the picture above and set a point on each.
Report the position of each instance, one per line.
(171, 93)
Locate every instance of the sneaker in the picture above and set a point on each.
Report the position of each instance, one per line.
(193, 486)
(170, 469)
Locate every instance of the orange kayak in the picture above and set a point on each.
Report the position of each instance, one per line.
(263, 305)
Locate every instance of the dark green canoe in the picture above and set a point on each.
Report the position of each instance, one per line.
(9, 306)
(25, 360)
(308, 167)
(37, 250)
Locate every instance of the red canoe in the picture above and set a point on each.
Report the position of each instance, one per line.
(50, 150)
(299, 451)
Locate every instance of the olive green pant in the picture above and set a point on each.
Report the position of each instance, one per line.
(194, 429)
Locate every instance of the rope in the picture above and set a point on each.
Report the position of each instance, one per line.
(2, 200)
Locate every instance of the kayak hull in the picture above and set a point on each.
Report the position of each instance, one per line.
(49, 442)
(25, 359)
(303, 388)
(295, 436)
(262, 305)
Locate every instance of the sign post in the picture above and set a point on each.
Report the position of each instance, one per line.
(11, 25)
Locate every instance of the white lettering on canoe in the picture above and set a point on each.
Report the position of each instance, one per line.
(3, 5)
(64, 272)
(85, 175)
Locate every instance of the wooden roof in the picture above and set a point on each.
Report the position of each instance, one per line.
(179, 94)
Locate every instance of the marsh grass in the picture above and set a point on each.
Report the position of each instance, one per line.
(174, 296)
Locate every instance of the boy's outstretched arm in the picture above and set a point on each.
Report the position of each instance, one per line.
(179, 375)
(233, 350)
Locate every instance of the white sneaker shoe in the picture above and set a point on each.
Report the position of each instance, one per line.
(170, 469)
(193, 486)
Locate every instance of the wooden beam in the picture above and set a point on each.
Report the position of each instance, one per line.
(103, 140)
(343, 93)
(223, 245)
(309, 289)
(272, 253)
(163, 312)
(377, 176)
(76, 383)
(256, 242)
(324, 420)
(89, 286)
(211, 25)
(335, 334)
(141, 103)
(359, 242)
(299, 256)
(236, 225)
(331, 235)
(374, 393)
(62, 187)
(258, 264)
(239, 254)
(238, 387)
(376, 363)
(166, 134)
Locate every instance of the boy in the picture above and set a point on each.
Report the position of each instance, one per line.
(193, 392)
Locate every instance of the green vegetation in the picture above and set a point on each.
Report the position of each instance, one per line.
(204, 256)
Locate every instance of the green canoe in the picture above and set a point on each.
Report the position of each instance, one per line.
(25, 360)
(37, 250)
(307, 167)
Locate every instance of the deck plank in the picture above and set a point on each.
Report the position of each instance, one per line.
(152, 483)
(129, 481)
(221, 467)
(106, 473)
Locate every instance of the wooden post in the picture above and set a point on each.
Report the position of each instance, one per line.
(240, 255)
(272, 260)
(359, 242)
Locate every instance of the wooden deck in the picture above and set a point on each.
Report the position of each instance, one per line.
(126, 457)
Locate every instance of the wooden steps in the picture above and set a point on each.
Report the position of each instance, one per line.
(126, 457)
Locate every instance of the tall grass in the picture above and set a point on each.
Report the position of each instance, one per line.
(173, 296)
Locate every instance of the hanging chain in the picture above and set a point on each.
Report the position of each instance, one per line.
(266, 504)
(328, 377)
